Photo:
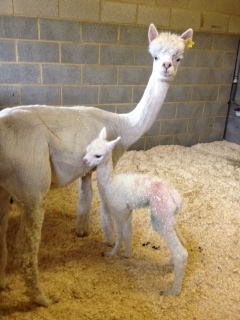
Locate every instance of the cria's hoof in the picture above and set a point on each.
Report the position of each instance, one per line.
(110, 244)
(82, 234)
(126, 255)
(108, 254)
(169, 292)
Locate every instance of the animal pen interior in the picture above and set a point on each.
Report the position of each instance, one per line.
(95, 53)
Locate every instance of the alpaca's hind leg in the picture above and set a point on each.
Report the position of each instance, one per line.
(28, 240)
(32, 184)
(4, 208)
(179, 259)
(84, 205)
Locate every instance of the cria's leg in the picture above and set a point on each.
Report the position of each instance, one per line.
(107, 223)
(84, 205)
(4, 208)
(179, 259)
(180, 236)
(118, 242)
(121, 218)
(127, 235)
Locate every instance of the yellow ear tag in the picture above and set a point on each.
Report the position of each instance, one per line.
(189, 43)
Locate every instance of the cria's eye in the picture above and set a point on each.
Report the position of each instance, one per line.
(97, 156)
(178, 59)
(155, 58)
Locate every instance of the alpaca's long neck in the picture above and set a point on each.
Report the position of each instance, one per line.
(105, 172)
(137, 122)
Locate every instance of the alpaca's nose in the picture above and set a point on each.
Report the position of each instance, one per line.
(84, 161)
(167, 64)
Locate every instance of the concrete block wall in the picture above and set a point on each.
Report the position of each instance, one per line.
(94, 52)
(233, 121)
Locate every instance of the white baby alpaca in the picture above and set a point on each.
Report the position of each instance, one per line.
(124, 192)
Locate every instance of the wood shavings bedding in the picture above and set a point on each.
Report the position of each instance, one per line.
(89, 286)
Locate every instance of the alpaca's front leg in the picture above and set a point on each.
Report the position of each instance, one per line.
(4, 208)
(84, 205)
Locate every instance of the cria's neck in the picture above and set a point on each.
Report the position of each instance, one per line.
(105, 171)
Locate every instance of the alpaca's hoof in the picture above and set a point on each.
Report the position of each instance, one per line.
(3, 283)
(43, 301)
(82, 227)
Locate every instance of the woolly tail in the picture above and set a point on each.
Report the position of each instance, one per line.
(177, 200)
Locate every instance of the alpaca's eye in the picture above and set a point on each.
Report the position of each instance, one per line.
(178, 58)
(155, 58)
(97, 156)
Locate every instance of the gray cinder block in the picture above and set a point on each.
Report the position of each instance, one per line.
(9, 96)
(79, 53)
(7, 50)
(37, 51)
(40, 95)
(60, 74)
(100, 33)
(19, 74)
(18, 27)
(80, 95)
(59, 30)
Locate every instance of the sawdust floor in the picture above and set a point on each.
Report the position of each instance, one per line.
(89, 286)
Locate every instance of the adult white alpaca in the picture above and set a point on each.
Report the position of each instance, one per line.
(42, 146)
(124, 192)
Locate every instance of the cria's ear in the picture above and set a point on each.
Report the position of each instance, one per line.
(111, 144)
(152, 32)
(187, 34)
(103, 134)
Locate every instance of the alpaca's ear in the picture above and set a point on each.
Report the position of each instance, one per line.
(111, 144)
(152, 32)
(103, 134)
(187, 34)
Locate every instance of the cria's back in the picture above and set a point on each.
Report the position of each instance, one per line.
(129, 190)
(137, 191)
